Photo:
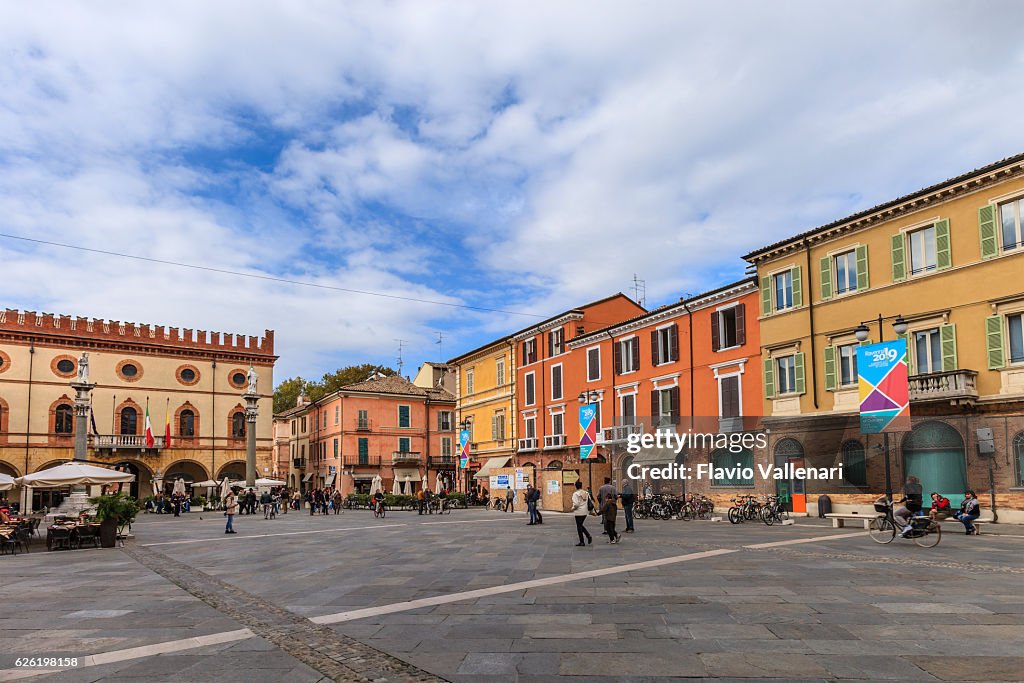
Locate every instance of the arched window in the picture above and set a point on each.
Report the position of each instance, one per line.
(129, 421)
(187, 423)
(854, 467)
(63, 422)
(238, 425)
(788, 448)
(1018, 451)
(555, 465)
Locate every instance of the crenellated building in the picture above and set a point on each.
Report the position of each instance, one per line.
(192, 379)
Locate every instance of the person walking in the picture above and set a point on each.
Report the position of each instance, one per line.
(609, 511)
(628, 499)
(421, 498)
(510, 499)
(337, 502)
(265, 500)
(531, 504)
(230, 508)
(580, 510)
(606, 490)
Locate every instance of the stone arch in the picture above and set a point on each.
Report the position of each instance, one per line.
(933, 451)
(233, 469)
(63, 438)
(238, 409)
(48, 464)
(9, 468)
(139, 415)
(1018, 457)
(176, 427)
(142, 487)
(191, 471)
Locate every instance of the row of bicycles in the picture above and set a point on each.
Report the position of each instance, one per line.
(751, 509)
(660, 506)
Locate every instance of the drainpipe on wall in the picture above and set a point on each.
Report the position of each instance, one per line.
(810, 319)
(689, 319)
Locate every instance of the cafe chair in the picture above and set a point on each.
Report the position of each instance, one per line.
(87, 535)
(60, 539)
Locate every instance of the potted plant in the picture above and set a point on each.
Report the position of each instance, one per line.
(113, 511)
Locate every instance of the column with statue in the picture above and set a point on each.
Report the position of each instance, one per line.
(79, 499)
(251, 396)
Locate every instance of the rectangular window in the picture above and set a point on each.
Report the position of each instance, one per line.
(499, 371)
(594, 364)
(664, 407)
(470, 384)
(629, 355)
(731, 466)
(404, 444)
(1015, 325)
(303, 425)
(558, 424)
(335, 448)
(444, 421)
(848, 365)
(664, 343)
(927, 351)
(783, 290)
(556, 382)
(363, 420)
(498, 426)
(786, 370)
(446, 446)
(556, 342)
(404, 417)
(364, 451)
(1010, 217)
(529, 396)
(337, 415)
(729, 388)
(293, 426)
(530, 427)
(529, 351)
(845, 268)
(628, 409)
(324, 423)
(922, 250)
(725, 328)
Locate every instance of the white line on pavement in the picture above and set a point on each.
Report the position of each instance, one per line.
(283, 533)
(471, 521)
(813, 539)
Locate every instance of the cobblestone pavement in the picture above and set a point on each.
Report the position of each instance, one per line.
(838, 608)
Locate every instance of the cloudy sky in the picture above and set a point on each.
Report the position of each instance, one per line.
(517, 156)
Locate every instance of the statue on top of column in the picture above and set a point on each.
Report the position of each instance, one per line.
(253, 379)
(83, 368)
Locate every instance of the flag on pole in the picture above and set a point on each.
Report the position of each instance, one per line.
(92, 420)
(150, 441)
(167, 427)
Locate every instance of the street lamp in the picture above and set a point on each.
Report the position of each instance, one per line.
(586, 398)
(899, 326)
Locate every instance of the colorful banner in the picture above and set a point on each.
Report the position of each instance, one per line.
(588, 430)
(884, 388)
(464, 449)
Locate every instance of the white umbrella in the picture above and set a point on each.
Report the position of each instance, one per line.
(396, 488)
(208, 484)
(179, 487)
(72, 473)
(376, 485)
(269, 482)
(426, 484)
(6, 482)
(439, 484)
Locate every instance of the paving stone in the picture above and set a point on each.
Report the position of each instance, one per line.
(971, 668)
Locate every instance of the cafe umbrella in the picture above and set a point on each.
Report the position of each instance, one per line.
(74, 474)
(6, 482)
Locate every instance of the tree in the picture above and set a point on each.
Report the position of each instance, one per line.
(287, 392)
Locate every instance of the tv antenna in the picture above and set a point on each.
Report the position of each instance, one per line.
(440, 347)
(401, 345)
(639, 291)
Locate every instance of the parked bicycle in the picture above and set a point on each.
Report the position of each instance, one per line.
(440, 506)
(772, 511)
(925, 531)
(744, 509)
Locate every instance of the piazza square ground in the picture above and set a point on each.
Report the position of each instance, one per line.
(480, 596)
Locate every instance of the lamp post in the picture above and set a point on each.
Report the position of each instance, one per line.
(899, 326)
(587, 398)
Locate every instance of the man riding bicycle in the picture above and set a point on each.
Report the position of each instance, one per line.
(913, 495)
(378, 502)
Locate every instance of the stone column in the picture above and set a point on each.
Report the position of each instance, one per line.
(82, 391)
(251, 413)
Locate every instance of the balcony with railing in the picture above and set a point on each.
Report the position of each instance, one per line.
(298, 462)
(955, 386)
(554, 441)
(407, 457)
(356, 460)
(442, 462)
(126, 442)
(620, 433)
(528, 444)
(363, 425)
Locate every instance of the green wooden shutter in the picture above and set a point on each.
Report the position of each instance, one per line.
(910, 357)
(830, 368)
(826, 277)
(994, 341)
(947, 337)
(798, 372)
(899, 265)
(943, 257)
(862, 267)
(987, 230)
(769, 378)
(766, 295)
(798, 287)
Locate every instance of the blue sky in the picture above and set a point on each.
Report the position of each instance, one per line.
(516, 156)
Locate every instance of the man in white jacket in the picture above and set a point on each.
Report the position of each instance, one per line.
(580, 510)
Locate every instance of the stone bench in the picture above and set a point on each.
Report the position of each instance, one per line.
(839, 519)
(977, 523)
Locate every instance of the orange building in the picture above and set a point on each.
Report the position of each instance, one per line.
(691, 365)
(385, 426)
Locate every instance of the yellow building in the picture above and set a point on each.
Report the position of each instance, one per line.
(192, 378)
(949, 261)
(485, 387)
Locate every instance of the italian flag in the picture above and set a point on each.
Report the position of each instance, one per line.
(150, 441)
(167, 429)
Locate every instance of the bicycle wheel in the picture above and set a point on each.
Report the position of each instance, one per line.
(447, 509)
(768, 516)
(881, 530)
(735, 517)
(930, 536)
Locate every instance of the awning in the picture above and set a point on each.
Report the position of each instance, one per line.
(654, 458)
(412, 473)
(363, 477)
(306, 478)
(491, 465)
(330, 480)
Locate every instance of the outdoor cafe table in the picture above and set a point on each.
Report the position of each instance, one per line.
(73, 527)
